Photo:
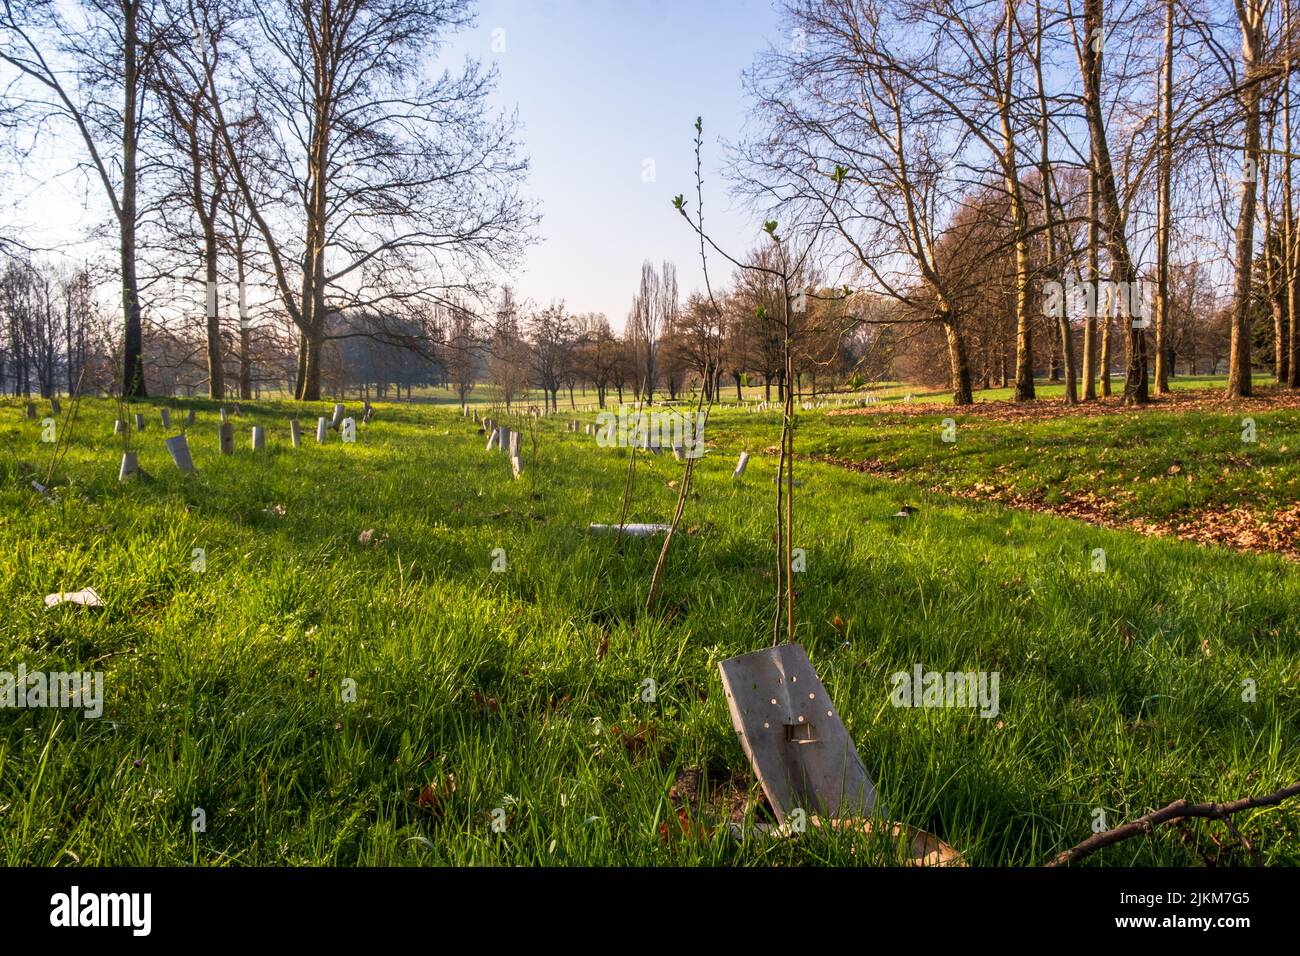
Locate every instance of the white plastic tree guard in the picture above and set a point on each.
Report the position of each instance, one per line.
(129, 466)
(179, 448)
(633, 530)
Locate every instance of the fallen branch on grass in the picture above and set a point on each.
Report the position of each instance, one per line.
(1177, 810)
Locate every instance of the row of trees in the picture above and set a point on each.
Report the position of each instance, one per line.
(954, 161)
(308, 148)
(667, 347)
(51, 332)
(962, 158)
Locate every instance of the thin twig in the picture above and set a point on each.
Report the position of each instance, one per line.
(1177, 810)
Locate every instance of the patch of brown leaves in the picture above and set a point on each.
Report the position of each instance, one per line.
(1266, 399)
(701, 804)
(1242, 529)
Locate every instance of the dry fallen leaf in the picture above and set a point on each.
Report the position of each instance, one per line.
(923, 849)
(435, 794)
(680, 826)
(636, 740)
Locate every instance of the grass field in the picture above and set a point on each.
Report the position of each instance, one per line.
(1179, 459)
(517, 698)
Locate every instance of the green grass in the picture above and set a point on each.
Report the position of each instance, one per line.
(224, 688)
(1150, 463)
(1056, 390)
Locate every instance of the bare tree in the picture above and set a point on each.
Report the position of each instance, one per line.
(508, 352)
(90, 65)
(656, 297)
(857, 99)
(196, 180)
(408, 189)
(551, 339)
(463, 351)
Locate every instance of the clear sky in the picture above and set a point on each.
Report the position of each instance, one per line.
(603, 88)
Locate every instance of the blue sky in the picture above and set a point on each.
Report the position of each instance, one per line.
(601, 87)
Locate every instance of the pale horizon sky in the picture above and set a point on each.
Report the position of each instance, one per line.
(602, 87)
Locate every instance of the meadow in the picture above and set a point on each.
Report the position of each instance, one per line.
(312, 646)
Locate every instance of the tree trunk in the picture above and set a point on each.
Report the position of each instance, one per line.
(245, 363)
(1122, 271)
(216, 370)
(1239, 367)
(1291, 257)
(1019, 222)
(1090, 314)
(311, 346)
(1164, 215)
(133, 384)
(959, 367)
